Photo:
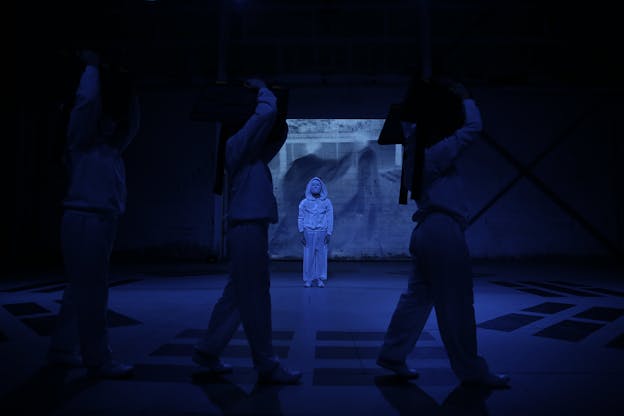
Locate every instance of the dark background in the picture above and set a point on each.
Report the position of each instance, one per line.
(546, 73)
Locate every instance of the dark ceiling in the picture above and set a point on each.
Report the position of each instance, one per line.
(492, 42)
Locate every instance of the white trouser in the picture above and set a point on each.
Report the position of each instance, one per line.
(246, 298)
(441, 278)
(314, 255)
(86, 241)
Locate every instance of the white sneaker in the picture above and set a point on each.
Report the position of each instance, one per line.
(320, 283)
(307, 284)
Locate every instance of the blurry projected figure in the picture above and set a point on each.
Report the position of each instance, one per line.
(316, 223)
(103, 121)
(441, 275)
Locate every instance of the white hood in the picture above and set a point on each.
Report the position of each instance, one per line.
(308, 193)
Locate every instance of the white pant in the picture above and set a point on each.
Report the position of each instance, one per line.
(246, 298)
(314, 255)
(441, 278)
(87, 241)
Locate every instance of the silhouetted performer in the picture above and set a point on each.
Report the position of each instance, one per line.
(441, 275)
(315, 222)
(103, 121)
(252, 207)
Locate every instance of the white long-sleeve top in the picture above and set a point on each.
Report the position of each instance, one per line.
(247, 154)
(97, 178)
(442, 186)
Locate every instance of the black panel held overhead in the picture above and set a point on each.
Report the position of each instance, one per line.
(231, 103)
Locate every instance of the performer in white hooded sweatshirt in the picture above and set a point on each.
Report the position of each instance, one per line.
(316, 224)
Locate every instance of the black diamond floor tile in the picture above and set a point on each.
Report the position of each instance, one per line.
(549, 307)
(25, 308)
(509, 322)
(569, 330)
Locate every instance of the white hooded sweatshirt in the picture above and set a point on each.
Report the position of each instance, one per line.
(316, 213)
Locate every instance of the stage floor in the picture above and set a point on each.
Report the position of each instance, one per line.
(556, 329)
